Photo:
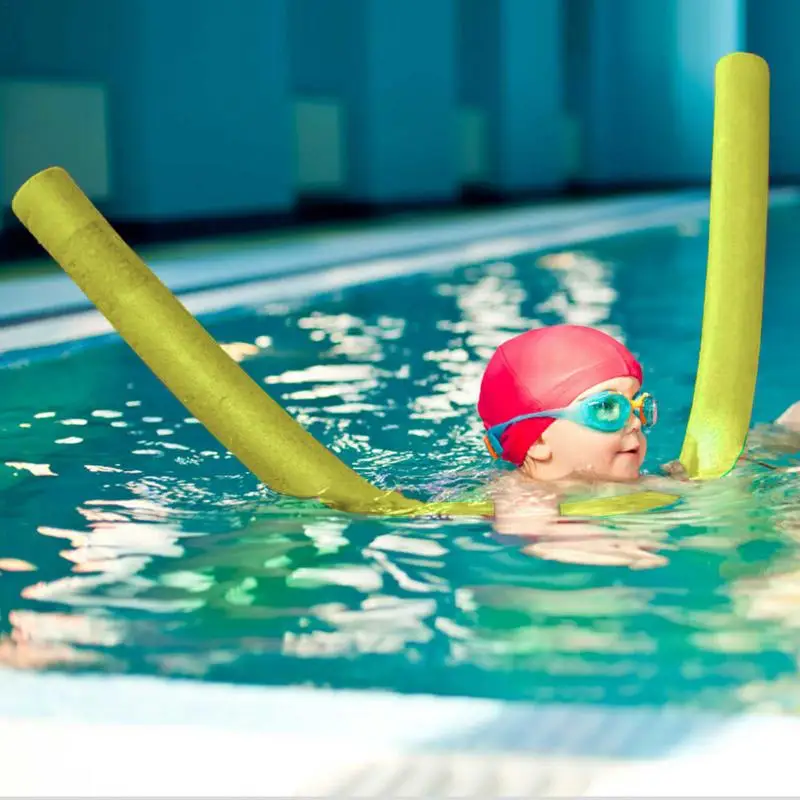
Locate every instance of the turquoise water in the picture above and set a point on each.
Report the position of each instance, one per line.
(132, 543)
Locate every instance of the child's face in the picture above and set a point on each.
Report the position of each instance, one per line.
(567, 448)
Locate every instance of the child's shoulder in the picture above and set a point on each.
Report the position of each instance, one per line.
(515, 492)
(518, 485)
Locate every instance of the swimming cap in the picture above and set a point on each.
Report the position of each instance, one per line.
(542, 369)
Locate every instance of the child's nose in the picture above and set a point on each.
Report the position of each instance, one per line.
(635, 422)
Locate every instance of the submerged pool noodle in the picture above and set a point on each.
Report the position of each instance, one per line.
(724, 390)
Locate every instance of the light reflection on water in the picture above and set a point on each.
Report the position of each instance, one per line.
(149, 549)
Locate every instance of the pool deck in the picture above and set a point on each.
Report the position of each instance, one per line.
(126, 736)
(68, 735)
(47, 308)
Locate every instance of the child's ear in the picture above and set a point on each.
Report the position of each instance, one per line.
(540, 451)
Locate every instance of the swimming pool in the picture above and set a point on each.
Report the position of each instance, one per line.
(152, 552)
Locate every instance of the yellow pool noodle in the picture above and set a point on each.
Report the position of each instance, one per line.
(722, 405)
(182, 354)
(202, 376)
(634, 503)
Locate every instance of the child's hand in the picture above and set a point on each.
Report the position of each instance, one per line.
(675, 470)
(605, 551)
(790, 418)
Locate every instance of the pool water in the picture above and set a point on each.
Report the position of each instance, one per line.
(133, 543)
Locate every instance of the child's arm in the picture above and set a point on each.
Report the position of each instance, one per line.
(532, 514)
(521, 509)
(791, 417)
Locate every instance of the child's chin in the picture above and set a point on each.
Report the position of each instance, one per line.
(628, 469)
(615, 474)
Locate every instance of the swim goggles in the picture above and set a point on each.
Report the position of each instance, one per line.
(607, 412)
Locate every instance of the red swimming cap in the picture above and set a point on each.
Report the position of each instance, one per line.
(543, 369)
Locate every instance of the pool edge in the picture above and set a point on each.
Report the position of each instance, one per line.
(64, 314)
(209, 739)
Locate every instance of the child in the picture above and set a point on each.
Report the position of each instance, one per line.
(564, 405)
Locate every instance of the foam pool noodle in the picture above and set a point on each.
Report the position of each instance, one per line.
(724, 389)
(183, 355)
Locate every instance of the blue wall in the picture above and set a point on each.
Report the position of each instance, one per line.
(202, 95)
(640, 80)
(198, 95)
(213, 128)
(326, 56)
(706, 31)
(510, 56)
(773, 31)
(392, 66)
